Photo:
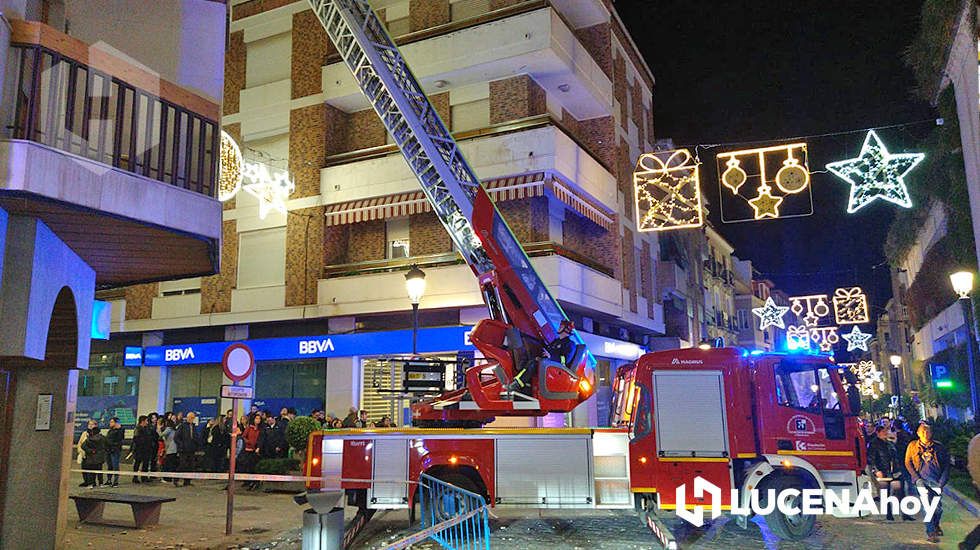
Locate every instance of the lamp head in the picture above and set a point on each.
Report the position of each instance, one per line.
(895, 360)
(415, 284)
(962, 283)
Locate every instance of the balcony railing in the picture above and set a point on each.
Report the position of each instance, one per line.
(96, 105)
(452, 258)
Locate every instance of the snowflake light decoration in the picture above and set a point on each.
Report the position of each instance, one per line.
(850, 306)
(667, 191)
(876, 174)
(271, 186)
(770, 314)
(856, 339)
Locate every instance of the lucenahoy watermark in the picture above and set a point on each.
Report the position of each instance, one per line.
(794, 501)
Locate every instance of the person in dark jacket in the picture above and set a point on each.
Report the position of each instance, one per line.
(350, 421)
(272, 440)
(188, 440)
(114, 443)
(95, 455)
(928, 464)
(143, 448)
(216, 444)
(884, 464)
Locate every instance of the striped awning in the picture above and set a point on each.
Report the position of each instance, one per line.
(510, 188)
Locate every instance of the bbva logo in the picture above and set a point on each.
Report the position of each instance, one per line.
(307, 347)
(178, 354)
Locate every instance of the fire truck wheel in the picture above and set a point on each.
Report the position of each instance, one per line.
(792, 527)
(443, 509)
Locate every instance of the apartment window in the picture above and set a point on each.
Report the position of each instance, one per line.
(262, 258)
(396, 237)
(180, 286)
(743, 319)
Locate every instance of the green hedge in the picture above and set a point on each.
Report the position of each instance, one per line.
(299, 430)
(277, 466)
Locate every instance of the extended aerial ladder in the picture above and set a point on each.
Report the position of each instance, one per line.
(524, 316)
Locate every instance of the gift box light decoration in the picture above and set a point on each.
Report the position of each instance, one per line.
(797, 337)
(667, 191)
(850, 306)
(764, 179)
(876, 174)
(815, 308)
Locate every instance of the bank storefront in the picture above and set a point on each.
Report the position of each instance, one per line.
(330, 372)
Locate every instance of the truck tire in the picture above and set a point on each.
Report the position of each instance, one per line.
(795, 527)
(446, 507)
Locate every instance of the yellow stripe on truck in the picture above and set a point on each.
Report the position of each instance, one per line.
(816, 453)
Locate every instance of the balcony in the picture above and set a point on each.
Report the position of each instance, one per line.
(539, 43)
(379, 286)
(528, 145)
(118, 162)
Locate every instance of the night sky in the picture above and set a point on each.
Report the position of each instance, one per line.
(761, 71)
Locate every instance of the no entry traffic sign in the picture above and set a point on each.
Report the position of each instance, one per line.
(238, 362)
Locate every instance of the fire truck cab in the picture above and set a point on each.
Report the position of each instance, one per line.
(739, 420)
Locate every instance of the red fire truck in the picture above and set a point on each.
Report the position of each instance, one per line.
(737, 420)
(730, 418)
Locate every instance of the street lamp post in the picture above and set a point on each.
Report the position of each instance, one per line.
(415, 285)
(896, 361)
(963, 285)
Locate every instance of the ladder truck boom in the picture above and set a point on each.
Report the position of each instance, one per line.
(524, 316)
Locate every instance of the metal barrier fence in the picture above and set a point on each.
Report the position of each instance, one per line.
(453, 517)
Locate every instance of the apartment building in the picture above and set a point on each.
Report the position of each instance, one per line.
(752, 292)
(719, 287)
(108, 163)
(551, 104)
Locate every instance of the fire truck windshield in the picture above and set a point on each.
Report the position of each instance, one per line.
(812, 386)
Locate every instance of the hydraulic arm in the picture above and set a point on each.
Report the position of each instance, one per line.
(524, 316)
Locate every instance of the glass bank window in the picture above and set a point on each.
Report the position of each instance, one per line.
(106, 376)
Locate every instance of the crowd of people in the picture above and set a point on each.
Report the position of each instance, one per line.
(175, 442)
(906, 464)
(354, 419)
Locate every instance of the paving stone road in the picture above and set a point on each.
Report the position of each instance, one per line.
(272, 521)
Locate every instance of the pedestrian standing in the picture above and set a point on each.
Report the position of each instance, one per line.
(114, 443)
(272, 441)
(215, 444)
(95, 455)
(169, 462)
(350, 421)
(884, 463)
(188, 440)
(928, 463)
(143, 448)
(249, 457)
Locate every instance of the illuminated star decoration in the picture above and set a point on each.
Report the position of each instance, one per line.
(270, 186)
(876, 173)
(856, 339)
(667, 192)
(766, 205)
(770, 314)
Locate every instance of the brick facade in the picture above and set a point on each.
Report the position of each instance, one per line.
(216, 289)
(424, 14)
(366, 241)
(365, 130)
(636, 110)
(441, 104)
(629, 268)
(620, 89)
(304, 260)
(596, 135)
(624, 177)
(139, 300)
(581, 235)
(646, 278)
(596, 40)
(335, 244)
(516, 97)
(310, 49)
(426, 235)
(500, 4)
(234, 71)
(255, 7)
(527, 218)
(307, 148)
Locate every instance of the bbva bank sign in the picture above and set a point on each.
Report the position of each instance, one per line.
(443, 339)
